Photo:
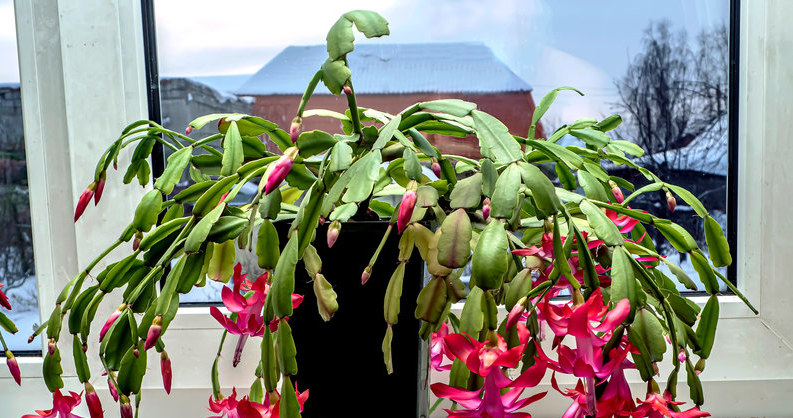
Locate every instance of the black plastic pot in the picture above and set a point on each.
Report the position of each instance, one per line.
(341, 361)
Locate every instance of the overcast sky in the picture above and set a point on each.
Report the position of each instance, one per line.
(582, 43)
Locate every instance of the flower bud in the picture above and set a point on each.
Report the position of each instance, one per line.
(671, 202)
(435, 167)
(154, 332)
(700, 366)
(486, 208)
(13, 367)
(136, 240)
(367, 273)
(111, 320)
(165, 371)
(326, 297)
(92, 399)
(51, 346)
(516, 313)
(295, 128)
(82, 202)
(616, 191)
(126, 407)
(112, 387)
(347, 89)
(281, 168)
(333, 233)
(682, 355)
(321, 220)
(188, 130)
(100, 187)
(406, 207)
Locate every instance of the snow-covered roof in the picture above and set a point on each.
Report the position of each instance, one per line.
(706, 155)
(459, 67)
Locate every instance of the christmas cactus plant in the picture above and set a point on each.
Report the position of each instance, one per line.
(531, 220)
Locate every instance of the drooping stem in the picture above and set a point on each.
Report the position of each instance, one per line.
(309, 91)
(215, 378)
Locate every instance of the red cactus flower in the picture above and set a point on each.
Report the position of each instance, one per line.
(165, 371)
(4, 299)
(155, 330)
(126, 407)
(62, 406)
(82, 202)
(100, 187)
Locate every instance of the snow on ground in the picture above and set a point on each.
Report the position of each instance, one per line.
(25, 314)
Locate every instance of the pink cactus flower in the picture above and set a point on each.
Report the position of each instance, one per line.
(62, 406)
(438, 348)
(230, 407)
(280, 170)
(93, 402)
(249, 320)
(658, 406)
(671, 202)
(13, 367)
(486, 208)
(406, 210)
(295, 128)
(486, 360)
(616, 191)
(113, 317)
(333, 233)
(436, 168)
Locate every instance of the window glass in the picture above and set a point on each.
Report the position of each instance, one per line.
(662, 65)
(17, 267)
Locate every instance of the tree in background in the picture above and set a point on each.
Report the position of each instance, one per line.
(673, 94)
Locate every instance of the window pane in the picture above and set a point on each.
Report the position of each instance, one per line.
(662, 65)
(17, 269)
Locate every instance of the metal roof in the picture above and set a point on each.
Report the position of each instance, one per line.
(461, 67)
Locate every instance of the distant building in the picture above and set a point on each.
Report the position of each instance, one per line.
(391, 77)
(184, 99)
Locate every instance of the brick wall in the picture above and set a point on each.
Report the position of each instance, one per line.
(514, 109)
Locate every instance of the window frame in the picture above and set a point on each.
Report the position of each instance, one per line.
(54, 81)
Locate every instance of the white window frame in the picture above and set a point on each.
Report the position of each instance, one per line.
(82, 76)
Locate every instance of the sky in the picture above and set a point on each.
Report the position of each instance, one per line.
(549, 43)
